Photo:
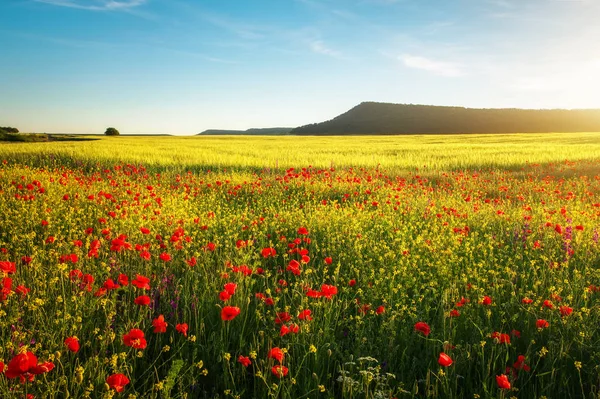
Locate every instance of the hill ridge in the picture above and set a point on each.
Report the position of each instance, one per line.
(374, 118)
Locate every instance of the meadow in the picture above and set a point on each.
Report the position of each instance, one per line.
(439, 266)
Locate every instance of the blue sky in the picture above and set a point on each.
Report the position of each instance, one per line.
(182, 66)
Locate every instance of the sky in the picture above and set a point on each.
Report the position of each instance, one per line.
(183, 66)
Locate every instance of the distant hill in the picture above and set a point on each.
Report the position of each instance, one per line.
(269, 131)
(384, 118)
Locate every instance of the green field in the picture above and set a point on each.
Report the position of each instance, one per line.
(441, 266)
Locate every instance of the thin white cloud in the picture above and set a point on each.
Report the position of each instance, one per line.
(96, 5)
(319, 47)
(441, 68)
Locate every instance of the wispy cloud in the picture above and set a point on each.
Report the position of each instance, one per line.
(96, 5)
(440, 68)
(319, 47)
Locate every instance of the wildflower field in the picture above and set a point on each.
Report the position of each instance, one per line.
(288, 267)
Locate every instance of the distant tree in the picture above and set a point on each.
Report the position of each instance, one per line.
(111, 131)
(10, 129)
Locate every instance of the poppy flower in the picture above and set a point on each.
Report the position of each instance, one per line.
(192, 261)
(142, 300)
(501, 338)
(141, 282)
(282, 317)
(541, 323)
(565, 311)
(145, 230)
(244, 361)
(72, 344)
(423, 328)
(123, 280)
(135, 339)
(486, 301)
(380, 310)
(445, 360)
(305, 314)
(165, 257)
(224, 296)
(328, 260)
(526, 301)
(230, 288)
(269, 252)
(7, 267)
(520, 364)
(160, 325)
(352, 283)
(328, 291)
(303, 231)
(182, 328)
(117, 382)
(279, 371)
(277, 354)
(502, 381)
(229, 313)
(26, 366)
(548, 304)
(454, 313)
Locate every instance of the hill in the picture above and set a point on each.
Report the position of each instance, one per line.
(384, 118)
(269, 131)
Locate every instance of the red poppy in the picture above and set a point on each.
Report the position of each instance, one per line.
(303, 231)
(380, 310)
(145, 230)
(269, 252)
(22, 290)
(565, 311)
(165, 257)
(548, 304)
(72, 344)
(305, 314)
(182, 328)
(423, 328)
(352, 283)
(26, 366)
(541, 323)
(229, 313)
(454, 313)
(502, 381)
(135, 339)
(7, 267)
(142, 300)
(328, 260)
(526, 301)
(486, 301)
(445, 360)
(282, 317)
(276, 354)
(141, 282)
(501, 338)
(123, 280)
(160, 325)
(279, 371)
(328, 291)
(192, 261)
(230, 288)
(244, 361)
(520, 364)
(117, 382)
(224, 296)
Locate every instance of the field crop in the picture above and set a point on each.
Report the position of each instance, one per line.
(390, 267)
